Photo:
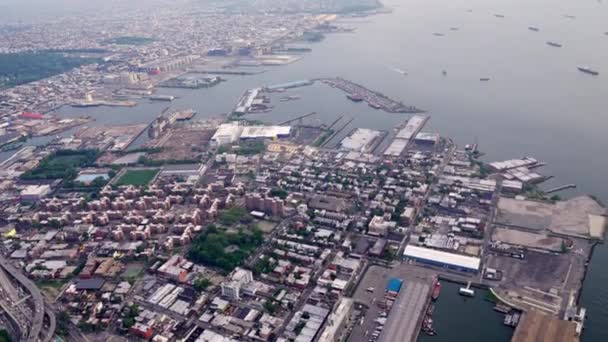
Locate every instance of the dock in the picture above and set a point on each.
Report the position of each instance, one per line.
(338, 131)
(406, 313)
(560, 188)
(297, 118)
(374, 99)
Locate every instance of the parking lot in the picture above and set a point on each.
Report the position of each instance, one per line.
(408, 307)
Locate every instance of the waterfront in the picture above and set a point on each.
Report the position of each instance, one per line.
(458, 318)
(536, 102)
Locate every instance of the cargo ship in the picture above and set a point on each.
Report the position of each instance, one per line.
(588, 70)
(436, 290)
(355, 97)
(162, 97)
(554, 44)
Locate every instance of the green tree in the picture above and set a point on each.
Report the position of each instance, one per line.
(202, 284)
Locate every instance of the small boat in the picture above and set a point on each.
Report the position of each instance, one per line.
(438, 34)
(554, 44)
(569, 16)
(502, 308)
(507, 320)
(467, 292)
(453, 28)
(443, 72)
(289, 98)
(499, 15)
(484, 79)
(532, 28)
(374, 105)
(588, 70)
(436, 290)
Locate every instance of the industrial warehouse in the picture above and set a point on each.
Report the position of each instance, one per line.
(433, 257)
(228, 133)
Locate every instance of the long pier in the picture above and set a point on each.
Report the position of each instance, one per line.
(560, 188)
(297, 118)
(374, 99)
(337, 132)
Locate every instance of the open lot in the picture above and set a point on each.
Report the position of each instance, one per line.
(527, 239)
(542, 281)
(137, 177)
(183, 143)
(573, 217)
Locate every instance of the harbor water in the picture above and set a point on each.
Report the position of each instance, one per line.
(458, 318)
(535, 103)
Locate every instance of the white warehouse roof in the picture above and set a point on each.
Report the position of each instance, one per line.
(442, 257)
(268, 132)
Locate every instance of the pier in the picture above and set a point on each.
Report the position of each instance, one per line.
(337, 132)
(297, 118)
(376, 100)
(560, 188)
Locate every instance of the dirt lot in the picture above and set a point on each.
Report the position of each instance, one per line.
(542, 280)
(182, 144)
(527, 239)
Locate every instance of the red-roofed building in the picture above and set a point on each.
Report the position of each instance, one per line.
(142, 330)
(31, 116)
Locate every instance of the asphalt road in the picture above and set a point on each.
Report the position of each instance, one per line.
(38, 318)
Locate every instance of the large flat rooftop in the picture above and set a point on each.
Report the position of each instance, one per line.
(405, 315)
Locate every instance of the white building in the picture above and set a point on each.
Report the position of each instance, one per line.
(240, 277)
(227, 133)
(34, 193)
(337, 320)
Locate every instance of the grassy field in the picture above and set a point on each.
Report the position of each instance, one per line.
(62, 164)
(137, 177)
(132, 271)
(50, 288)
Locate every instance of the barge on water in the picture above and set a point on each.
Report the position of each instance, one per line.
(588, 70)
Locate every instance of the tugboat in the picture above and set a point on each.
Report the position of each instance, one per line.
(436, 290)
